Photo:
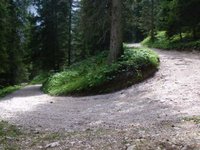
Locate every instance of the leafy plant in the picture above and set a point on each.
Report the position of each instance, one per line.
(7, 90)
(41, 78)
(163, 42)
(95, 75)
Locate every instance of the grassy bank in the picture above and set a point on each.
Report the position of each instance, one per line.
(94, 75)
(40, 78)
(163, 42)
(7, 90)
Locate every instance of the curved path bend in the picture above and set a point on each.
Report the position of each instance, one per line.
(171, 95)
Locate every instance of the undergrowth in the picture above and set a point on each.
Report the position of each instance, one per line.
(9, 135)
(7, 90)
(94, 75)
(163, 42)
(40, 78)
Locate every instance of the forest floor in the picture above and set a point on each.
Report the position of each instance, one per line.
(162, 112)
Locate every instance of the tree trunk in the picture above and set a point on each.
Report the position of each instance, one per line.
(116, 41)
(152, 21)
(180, 34)
(194, 33)
(69, 32)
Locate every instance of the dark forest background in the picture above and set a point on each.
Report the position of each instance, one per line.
(38, 36)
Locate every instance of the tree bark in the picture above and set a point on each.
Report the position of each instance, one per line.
(69, 32)
(152, 21)
(116, 41)
(180, 34)
(194, 33)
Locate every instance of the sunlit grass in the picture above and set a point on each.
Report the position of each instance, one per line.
(95, 73)
(175, 42)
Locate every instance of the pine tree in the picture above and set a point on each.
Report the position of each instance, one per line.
(54, 17)
(95, 26)
(12, 15)
(116, 41)
(3, 33)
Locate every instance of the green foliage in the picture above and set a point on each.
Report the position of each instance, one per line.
(177, 16)
(175, 42)
(93, 74)
(3, 24)
(7, 90)
(94, 26)
(12, 21)
(30, 43)
(52, 33)
(40, 79)
(160, 41)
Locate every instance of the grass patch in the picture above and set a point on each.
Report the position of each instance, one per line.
(95, 76)
(7, 90)
(13, 138)
(174, 42)
(9, 136)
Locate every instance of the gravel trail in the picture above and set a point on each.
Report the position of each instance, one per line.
(158, 104)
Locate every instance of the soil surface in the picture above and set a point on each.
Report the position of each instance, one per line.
(164, 109)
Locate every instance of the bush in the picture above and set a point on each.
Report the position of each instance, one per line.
(7, 90)
(163, 42)
(94, 75)
(40, 79)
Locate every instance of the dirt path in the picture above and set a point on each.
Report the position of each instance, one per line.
(162, 106)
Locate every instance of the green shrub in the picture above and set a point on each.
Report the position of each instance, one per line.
(94, 75)
(40, 79)
(162, 42)
(7, 90)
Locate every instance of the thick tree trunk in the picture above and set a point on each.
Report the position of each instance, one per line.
(180, 34)
(116, 41)
(181, 37)
(152, 21)
(69, 32)
(194, 33)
